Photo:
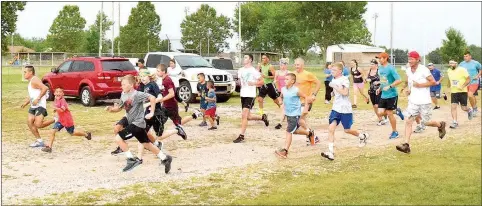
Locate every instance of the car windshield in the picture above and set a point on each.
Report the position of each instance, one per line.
(117, 65)
(225, 64)
(188, 61)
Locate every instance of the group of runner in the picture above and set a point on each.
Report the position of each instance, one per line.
(149, 100)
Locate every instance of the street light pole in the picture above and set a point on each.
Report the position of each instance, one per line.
(375, 16)
(391, 32)
(239, 32)
(113, 23)
(100, 28)
(209, 36)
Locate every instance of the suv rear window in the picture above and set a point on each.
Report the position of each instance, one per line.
(117, 65)
(225, 64)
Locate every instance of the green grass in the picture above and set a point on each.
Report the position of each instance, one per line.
(436, 173)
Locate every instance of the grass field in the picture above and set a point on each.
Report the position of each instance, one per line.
(437, 172)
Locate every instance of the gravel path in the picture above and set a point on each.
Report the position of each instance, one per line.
(82, 165)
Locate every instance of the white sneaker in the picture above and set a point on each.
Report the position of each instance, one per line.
(198, 113)
(328, 155)
(363, 141)
(419, 129)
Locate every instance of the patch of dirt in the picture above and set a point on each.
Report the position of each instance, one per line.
(85, 165)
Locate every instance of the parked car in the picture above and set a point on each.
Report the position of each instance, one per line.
(225, 64)
(184, 76)
(89, 78)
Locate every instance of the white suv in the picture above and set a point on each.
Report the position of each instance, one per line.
(184, 76)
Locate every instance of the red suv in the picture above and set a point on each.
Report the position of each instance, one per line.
(89, 78)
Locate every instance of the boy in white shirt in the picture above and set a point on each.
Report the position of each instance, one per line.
(342, 111)
(250, 79)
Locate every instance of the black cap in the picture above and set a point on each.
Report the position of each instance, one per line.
(374, 61)
(141, 61)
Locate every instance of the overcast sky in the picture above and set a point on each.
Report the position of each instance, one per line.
(417, 26)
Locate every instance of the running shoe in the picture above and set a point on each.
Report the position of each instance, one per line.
(363, 141)
(239, 139)
(405, 148)
(131, 164)
(167, 163)
(181, 132)
(394, 135)
(47, 149)
(37, 144)
(265, 119)
(117, 151)
(454, 125)
(278, 126)
(441, 130)
(418, 129)
(88, 136)
(328, 155)
(470, 114)
(217, 120)
(203, 124)
(212, 128)
(283, 153)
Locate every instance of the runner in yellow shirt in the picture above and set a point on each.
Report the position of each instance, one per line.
(459, 79)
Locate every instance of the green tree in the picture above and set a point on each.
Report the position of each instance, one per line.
(92, 36)
(435, 57)
(454, 46)
(400, 55)
(142, 30)
(203, 27)
(9, 20)
(335, 22)
(476, 52)
(67, 31)
(35, 43)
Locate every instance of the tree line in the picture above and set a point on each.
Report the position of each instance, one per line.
(290, 28)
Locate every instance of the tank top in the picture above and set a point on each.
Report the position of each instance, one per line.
(373, 78)
(356, 73)
(266, 72)
(34, 93)
(281, 80)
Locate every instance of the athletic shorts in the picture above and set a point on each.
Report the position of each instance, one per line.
(459, 98)
(247, 102)
(345, 119)
(134, 131)
(359, 85)
(374, 98)
(58, 126)
(157, 123)
(211, 112)
(203, 104)
(268, 89)
(38, 111)
(424, 110)
(309, 107)
(293, 124)
(173, 114)
(473, 87)
(435, 94)
(388, 104)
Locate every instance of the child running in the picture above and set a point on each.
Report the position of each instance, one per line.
(134, 124)
(211, 105)
(292, 109)
(64, 120)
(341, 111)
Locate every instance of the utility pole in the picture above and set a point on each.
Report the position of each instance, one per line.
(186, 10)
(168, 44)
(391, 32)
(118, 42)
(100, 28)
(239, 32)
(375, 16)
(113, 25)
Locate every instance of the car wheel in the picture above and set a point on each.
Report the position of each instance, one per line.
(86, 97)
(184, 92)
(50, 93)
(223, 98)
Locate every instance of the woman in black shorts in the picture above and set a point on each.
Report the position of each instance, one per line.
(374, 80)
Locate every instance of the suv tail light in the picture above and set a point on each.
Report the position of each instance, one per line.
(103, 76)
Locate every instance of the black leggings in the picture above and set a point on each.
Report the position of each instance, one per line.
(328, 90)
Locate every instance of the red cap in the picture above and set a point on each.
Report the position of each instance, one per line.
(414, 54)
(382, 55)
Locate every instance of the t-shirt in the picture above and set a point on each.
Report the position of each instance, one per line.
(473, 68)
(211, 95)
(203, 90)
(248, 75)
(341, 104)
(291, 101)
(457, 77)
(133, 102)
(304, 82)
(328, 77)
(152, 89)
(437, 75)
(388, 75)
(166, 85)
(419, 95)
(265, 70)
(65, 118)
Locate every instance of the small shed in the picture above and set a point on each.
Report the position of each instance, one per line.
(346, 52)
